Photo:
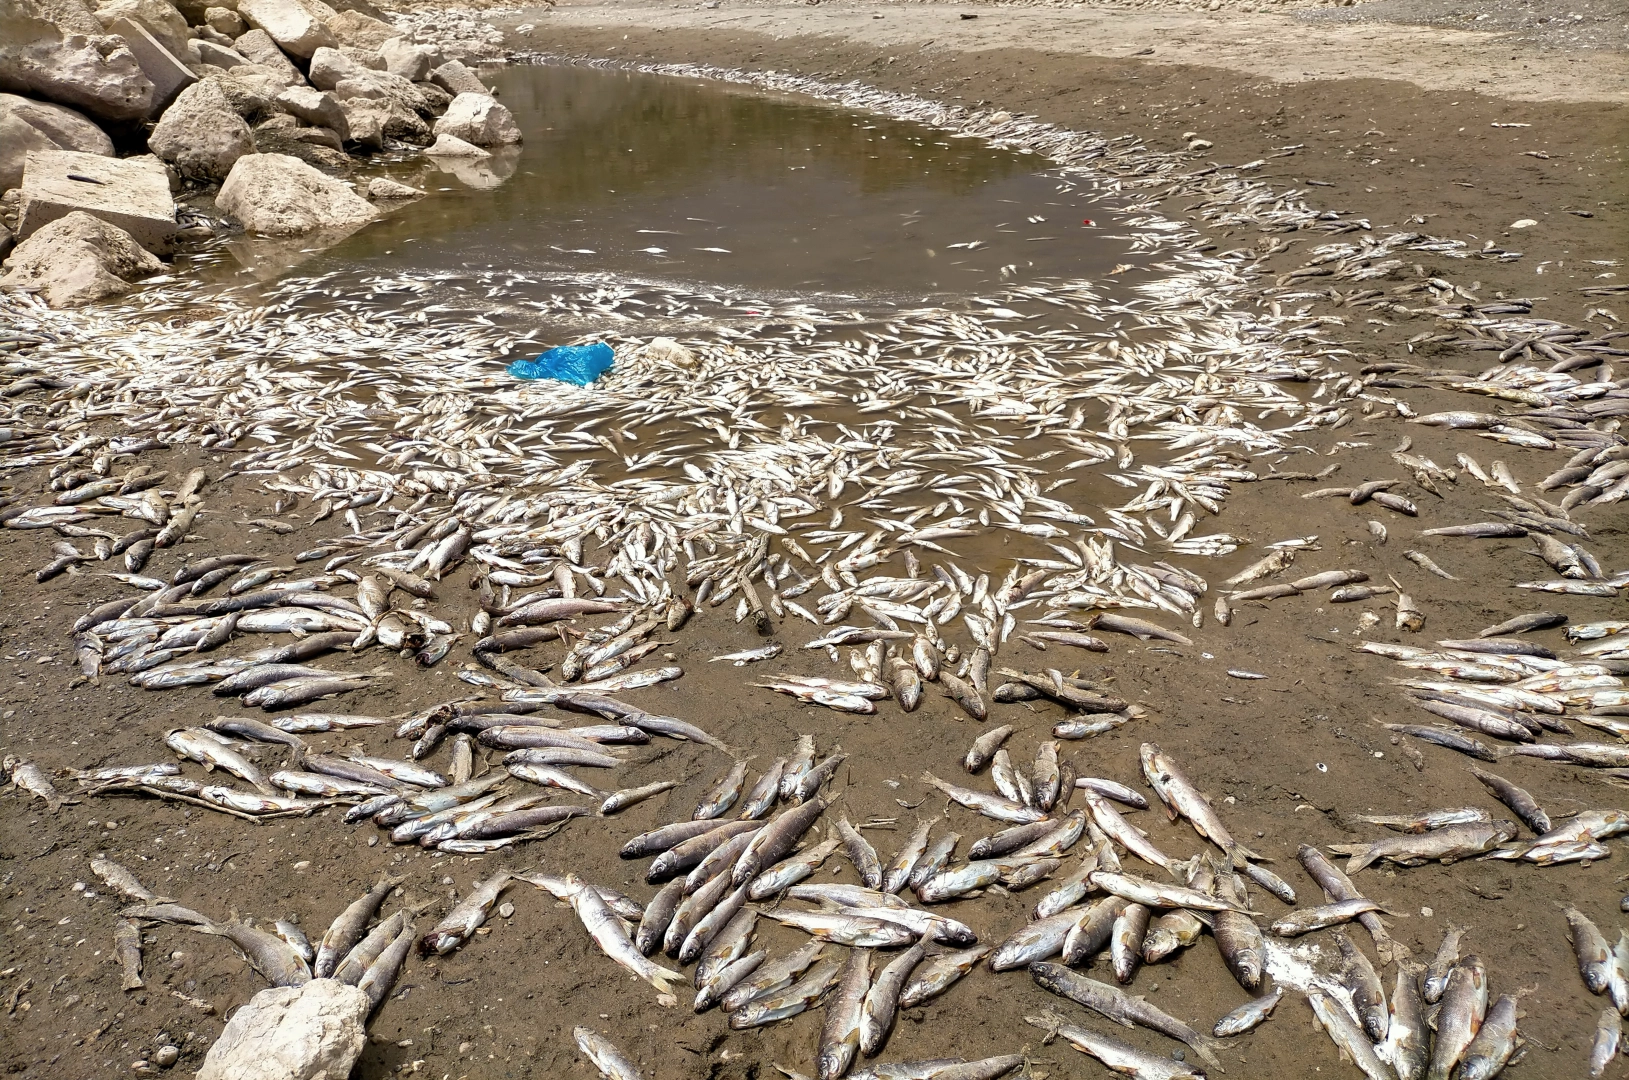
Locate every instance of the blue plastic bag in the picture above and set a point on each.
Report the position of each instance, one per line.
(575, 364)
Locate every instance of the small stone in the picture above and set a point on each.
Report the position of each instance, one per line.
(506, 909)
(453, 147)
(381, 188)
(165, 1056)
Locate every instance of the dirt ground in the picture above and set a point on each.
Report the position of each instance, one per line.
(1384, 122)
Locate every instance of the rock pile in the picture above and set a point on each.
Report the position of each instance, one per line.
(270, 99)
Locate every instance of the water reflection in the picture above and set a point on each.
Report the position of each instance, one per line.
(685, 180)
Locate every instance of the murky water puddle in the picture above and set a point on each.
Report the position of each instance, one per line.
(684, 180)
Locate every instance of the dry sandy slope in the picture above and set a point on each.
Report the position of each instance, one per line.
(1279, 47)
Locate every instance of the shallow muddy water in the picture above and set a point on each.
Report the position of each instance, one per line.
(672, 179)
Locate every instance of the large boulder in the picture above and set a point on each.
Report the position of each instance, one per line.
(27, 125)
(316, 107)
(291, 24)
(362, 31)
(157, 17)
(279, 195)
(310, 1032)
(56, 50)
(455, 78)
(76, 260)
(479, 119)
(258, 47)
(201, 134)
(411, 62)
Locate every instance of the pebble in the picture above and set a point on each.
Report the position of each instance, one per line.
(165, 1056)
(506, 909)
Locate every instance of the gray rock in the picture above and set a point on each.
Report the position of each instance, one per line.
(157, 17)
(438, 98)
(292, 25)
(212, 55)
(402, 57)
(278, 195)
(365, 120)
(168, 75)
(316, 107)
(289, 142)
(27, 125)
(70, 130)
(17, 140)
(310, 1032)
(56, 50)
(479, 119)
(317, 136)
(202, 135)
(77, 259)
(455, 78)
(329, 66)
(195, 11)
(381, 188)
(225, 21)
(368, 58)
(132, 193)
(250, 91)
(258, 47)
(361, 30)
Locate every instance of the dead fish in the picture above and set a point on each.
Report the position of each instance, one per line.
(127, 949)
(1591, 949)
(1426, 820)
(267, 953)
(1249, 1016)
(1608, 1038)
(466, 916)
(1111, 789)
(1496, 1040)
(899, 869)
(1359, 978)
(772, 976)
(122, 881)
(1524, 624)
(795, 999)
(992, 806)
(882, 999)
(723, 794)
(1119, 1056)
(1159, 895)
(1138, 628)
(1125, 1009)
(1445, 845)
(840, 1034)
(29, 777)
(612, 1063)
(1306, 920)
(621, 800)
(1347, 1035)
(1464, 1004)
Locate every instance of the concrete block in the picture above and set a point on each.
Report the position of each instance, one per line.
(132, 193)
